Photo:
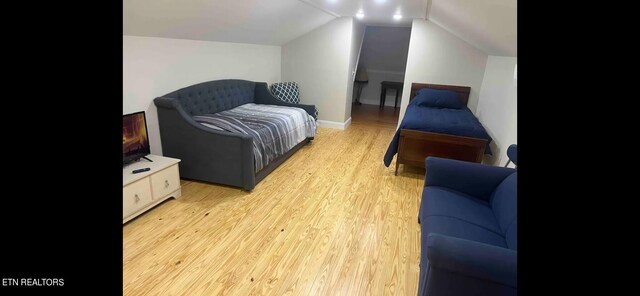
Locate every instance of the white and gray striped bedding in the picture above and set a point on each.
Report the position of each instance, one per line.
(274, 129)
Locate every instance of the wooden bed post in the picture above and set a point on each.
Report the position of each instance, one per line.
(400, 143)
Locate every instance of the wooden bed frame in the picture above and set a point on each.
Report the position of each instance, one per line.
(414, 146)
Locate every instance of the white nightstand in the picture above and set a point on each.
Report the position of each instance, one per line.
(144, 190)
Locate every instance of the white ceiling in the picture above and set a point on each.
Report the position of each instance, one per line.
(271, 22)
(489, 25)
(377, 12)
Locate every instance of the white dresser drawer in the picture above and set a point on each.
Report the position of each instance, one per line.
(165, 182)
(136, 196)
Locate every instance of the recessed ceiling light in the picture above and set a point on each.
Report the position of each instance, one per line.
(397, 16)
(360, 14)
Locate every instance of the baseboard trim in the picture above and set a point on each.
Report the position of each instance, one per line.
(347, 123)
(388, 103)
(335, 124)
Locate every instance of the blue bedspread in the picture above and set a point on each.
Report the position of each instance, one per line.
(457, 122)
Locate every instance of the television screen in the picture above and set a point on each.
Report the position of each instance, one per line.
(135, 142)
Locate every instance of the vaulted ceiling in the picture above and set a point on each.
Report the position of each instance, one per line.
(272, 22)
(489, 25)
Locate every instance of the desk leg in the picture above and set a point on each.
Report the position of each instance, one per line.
(395, 105)
(383, 96)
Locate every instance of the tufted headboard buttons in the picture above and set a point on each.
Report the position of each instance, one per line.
(214, 96)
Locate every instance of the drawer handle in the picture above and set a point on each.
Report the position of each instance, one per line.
(166, 183)
(136, 198)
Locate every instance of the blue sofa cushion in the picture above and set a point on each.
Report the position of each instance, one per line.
(452, 213)
(441, 201)
(504, 203)
(471, 178)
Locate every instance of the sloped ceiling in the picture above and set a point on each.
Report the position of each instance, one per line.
(385, 48)
(270, 22)
(489, 25)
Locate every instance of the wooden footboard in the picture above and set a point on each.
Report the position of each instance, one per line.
(415, 146)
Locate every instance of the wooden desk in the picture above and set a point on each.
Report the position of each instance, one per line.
(383, 91)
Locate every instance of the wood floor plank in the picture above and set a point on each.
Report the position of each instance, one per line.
(331, 220)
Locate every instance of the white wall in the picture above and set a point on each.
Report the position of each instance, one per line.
(357, 37)
(155, 66)
(497, 108)
(319, 62)
(438, 57)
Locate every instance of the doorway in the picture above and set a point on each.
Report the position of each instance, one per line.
(380, 76)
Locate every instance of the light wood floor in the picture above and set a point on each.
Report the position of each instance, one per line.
(331, 220)
(386, 117)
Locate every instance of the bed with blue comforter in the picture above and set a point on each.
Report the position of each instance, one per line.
(440, 115)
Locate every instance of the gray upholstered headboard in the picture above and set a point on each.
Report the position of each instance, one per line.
(214, 96)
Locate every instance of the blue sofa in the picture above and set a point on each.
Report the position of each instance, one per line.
(468, 218)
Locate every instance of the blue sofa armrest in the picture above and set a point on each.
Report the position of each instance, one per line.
(474, 179)
(474, 259)
(264, 96)
(170, 103)
(512, 153)
(207, 154)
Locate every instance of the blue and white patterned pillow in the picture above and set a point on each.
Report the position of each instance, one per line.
(286, 91)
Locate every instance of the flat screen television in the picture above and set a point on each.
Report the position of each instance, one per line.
(135, 141)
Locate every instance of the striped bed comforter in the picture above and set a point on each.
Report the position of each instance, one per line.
(274, 129)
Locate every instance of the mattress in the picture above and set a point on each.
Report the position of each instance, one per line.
(457, 122)
(274, 129)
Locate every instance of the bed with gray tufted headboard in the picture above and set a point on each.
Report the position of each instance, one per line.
(209, 154)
